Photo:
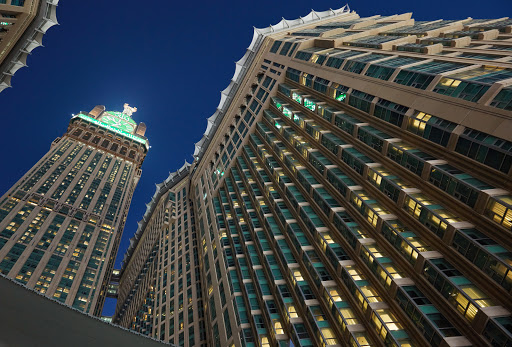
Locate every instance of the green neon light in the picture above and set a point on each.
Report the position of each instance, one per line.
(118, 123)
(341, 97)
(287, 112)
(278, 126)
(297, 97)
(121, 115)
(309, 104)
(117, 131)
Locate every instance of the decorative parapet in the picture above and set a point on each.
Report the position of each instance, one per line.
(161, 188)
(30, 40)
(241, 66)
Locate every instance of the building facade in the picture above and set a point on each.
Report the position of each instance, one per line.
(61, 223)
(160, 292)
(22, 26)
(352, 188)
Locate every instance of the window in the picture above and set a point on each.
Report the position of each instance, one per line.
(372, 41)
(227, 324)
(48, 273)
(486, 74)
(331, 142)
(503, 100)
(293, 74)
(360, 100)
(480, 56)
(339, 180)
(275, 46)
(427, 212)
(500, 25)
(419, 28)
(320, 85)
(267, 81)
(420, 76)
(386, 182)
(486, 149)
(431, 128)
(357, 64)
(413, 47)
(466, 297)
(384, 69)
(499, 331)
(499, 209)
(11, 258)
(413, 79)
(432, 324)
(457, 183)
(307, 80)
(390, 112)
(411, 158)
(355, 159)
(486, 254)
(372, 137)
(380, 72)
(384, 322)
(346, 122)
(337, 59)
(308, 54)
(285, 89)
(339, 92)
(405, 241)
(286, 48)
(461, 89)
(293, 49)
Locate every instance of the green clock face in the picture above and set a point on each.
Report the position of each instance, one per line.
(118, 123)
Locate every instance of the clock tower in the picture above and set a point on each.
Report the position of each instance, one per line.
(61, 223)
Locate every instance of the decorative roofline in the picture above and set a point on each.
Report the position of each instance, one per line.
(133, 137)
(162, 188)
(32, 38)
(241, 66)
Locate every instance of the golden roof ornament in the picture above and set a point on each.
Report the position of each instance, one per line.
(128, 110)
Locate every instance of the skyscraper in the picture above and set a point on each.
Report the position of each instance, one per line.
(22, 26)
(61, 223)
(353, 188)
(161, 268)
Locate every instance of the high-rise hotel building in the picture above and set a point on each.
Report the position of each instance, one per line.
(352, 188)
(61, 223)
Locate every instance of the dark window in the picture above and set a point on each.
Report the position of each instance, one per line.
(275, 47)
(486, 149)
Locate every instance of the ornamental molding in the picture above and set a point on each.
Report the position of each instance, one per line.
(30, 40)
(161, 188)
(242, 65)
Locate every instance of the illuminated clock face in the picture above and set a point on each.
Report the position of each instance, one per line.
(117, 123)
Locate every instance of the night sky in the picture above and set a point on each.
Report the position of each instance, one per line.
(170, 59)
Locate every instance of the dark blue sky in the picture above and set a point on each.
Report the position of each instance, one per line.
(170, 59)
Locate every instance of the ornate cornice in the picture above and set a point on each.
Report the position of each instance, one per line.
(162, 188)
(242, 65)
(30, 40)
